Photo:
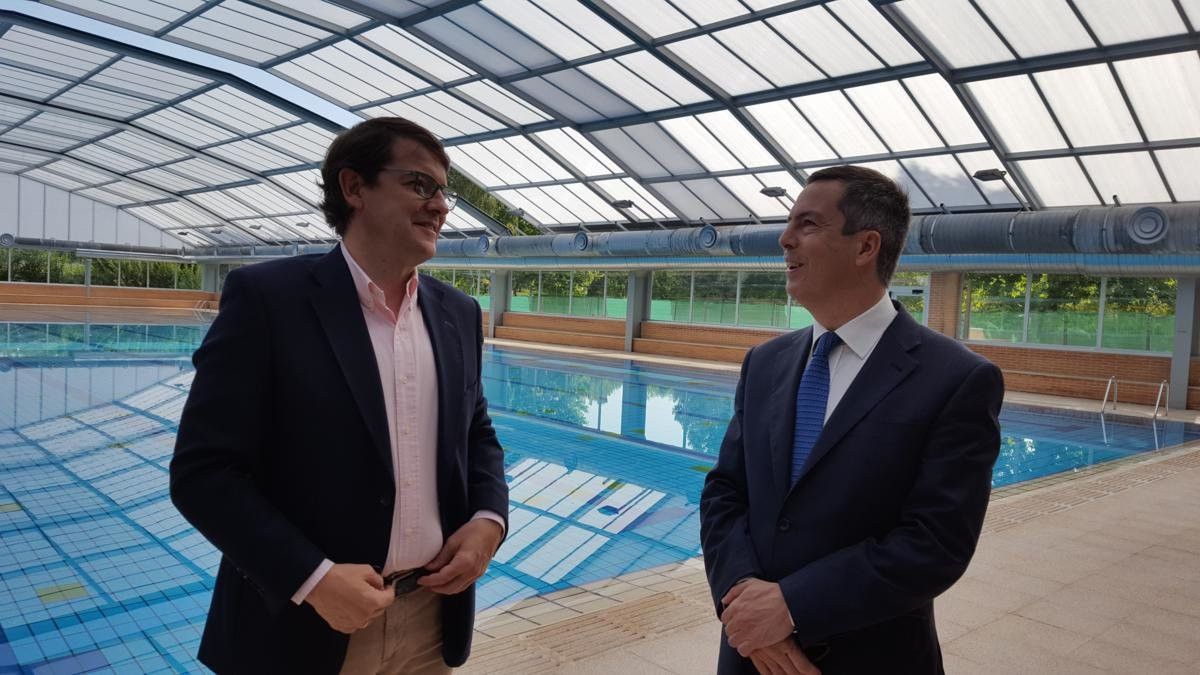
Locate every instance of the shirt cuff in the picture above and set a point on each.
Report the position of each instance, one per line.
(490, 516)
(312, 581)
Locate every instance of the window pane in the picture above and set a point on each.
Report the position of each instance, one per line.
(997, 307)
(1064, 310)
(104, 272)
(65, 268)
(555, 290)
(908, 288)
(764, 300)
(587, 293)
(133, 273)
(524, 292)
(715, 299)
(618, 293)
(4, 264)
(484, 292)
(189, 277)
(29, 266)
(1140, 314)
(669, 294)
(162, 274)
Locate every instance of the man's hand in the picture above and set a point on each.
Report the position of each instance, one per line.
(464, 557)
(349, 597)
(783, 658)
(755, 616)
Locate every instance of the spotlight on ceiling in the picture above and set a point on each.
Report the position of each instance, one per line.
(621, 204)
(302, 223)
(774, 191)
(990, 174)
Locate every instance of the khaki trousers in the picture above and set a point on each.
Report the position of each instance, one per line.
(405, 640)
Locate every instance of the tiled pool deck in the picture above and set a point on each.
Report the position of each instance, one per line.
(1090, 573)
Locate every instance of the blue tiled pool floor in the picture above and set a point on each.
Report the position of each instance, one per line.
(605, 462)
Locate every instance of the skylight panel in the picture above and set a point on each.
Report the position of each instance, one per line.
(525, 159)
(304, 184)
(1089, 105)
(311, 225)
(825, 41)
(551, 33)
(441, 114)
(80, 172)
(50, 178)
(266, 199)
(37, 139)
(733, 135)
(327, 12)
(148, 80)
(479, 171)
(350, 74)
(451, 35)
(718, 198)
(671, 83)
(1129, 175)
(666, 151)
(715, 62)
(1192, 7)
(1117, 21)
(23, 46)
(943, 180)
(266, 227)
(1179, 166)
(594, 201)
(891, 111)
(631, 87)
(114, 161)
(29, 85)
(770, 55)
(185, 128)
(712, 11)
(783, 122)
(532, 209)
(686, 202)
(14, 113)
(892, 169)
(306, 141)
(137, 145)
(1037, 27)
(840, 124)
(138, 193)
(166, 180)
(90, 99)
(222, 204)
(1017, 114)
(148, 16)
(1165, 93)
(586, 158)
(947, 113)
(747, 190)
(237, 110)
(253, 156)
(997, 192)
(187, 214)
(645, 205)
(492, 97)
(619, 143)
(1059, 181)
(208, 173)
(482, 38)
(580, 208)
(246, 32)
(22, 157)
(865, 21)
(956, 30)
(416, 55)
(655, 17)
(105, 196)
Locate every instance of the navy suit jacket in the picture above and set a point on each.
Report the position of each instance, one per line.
(889, 507)
(283, 456)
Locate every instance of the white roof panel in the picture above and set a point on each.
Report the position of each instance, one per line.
(715, 62)
(37, 139)
(868, 24)
(302, 183)
(253, 156)
(747, 189)
(237, 110)
(326, 12)
(483, 38)
(148, 80)
(246, 32)
(492, 97)
(147, 15)
(1165, 93)
(1059, 181)
(206, 172)
(795, 135)
(441, 113)
(416, 55)
(655, 17)
(944, 180)
(893, 170)
(1037, 27)
(840, 124)
(138, 193)
(1017, 113)
(267, 199)
(89, 99)
(712, 11)
(825, 41)
(50, 178)
(995, 191)
(80, 172)
(67, 58)
(895, 117)
(944, 109)
(29, 85)
(594, 201)
(350, 74)
(1117, 21)
(1075, 94)
(956, 30)
(1179, 166)
(1129, 175)
(578, 151)
(137, 145)
(644, 204)
(166, 180)
(109, 159)
(223, 204)
(771, 55)
(552, 33)
(644, 81)
(184, 127)
(306, 141)
(107, 197)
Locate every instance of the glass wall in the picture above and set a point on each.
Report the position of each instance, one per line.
(1062, 309)
(910, 289)
(586, 293)
(753, 299)
(64, 267)
(523, 295)
(475, 283)
(671, 296)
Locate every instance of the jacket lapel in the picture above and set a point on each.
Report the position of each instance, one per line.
(886, 368)
(782, 406)
(337, 306)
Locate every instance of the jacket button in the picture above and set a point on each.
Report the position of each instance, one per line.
(784, 524)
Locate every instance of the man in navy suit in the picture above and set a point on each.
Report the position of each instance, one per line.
(853, 479)
(336, 445)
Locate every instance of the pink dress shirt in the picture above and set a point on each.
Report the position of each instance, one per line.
(408, 374)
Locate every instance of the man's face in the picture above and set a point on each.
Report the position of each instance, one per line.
(820, 259)
(391, 214)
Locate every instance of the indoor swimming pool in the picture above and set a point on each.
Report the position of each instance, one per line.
(605, 460)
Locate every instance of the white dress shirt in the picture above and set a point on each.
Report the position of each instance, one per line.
(859, 337)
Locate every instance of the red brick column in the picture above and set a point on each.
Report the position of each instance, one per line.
(944, 302)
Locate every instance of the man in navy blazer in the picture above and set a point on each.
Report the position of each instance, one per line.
(853, 479)
(291, 463)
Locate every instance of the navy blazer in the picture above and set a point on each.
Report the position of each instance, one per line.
(283, 456)
(889, 507)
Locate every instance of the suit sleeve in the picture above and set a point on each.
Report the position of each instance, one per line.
(724, 525)
(928, 550)
(219, 451)
(486, 487)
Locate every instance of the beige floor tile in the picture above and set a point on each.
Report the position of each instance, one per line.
(1122, 659)
(1169, 623)
(626, 662)
(1153, 641)
(691, 650)
(1018, 630)
(1071, 618)
(989, 595)
(965, 612)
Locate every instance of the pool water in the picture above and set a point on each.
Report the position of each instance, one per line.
(605, 461)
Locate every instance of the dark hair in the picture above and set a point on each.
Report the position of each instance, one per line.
(365, 148)
(872, 201)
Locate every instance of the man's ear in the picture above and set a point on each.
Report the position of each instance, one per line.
(351, 184)
(869, 242)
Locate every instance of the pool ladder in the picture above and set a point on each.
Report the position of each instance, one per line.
(1111, 387)
(1164, 397)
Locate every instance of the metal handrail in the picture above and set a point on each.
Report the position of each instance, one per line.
(1111, 386)
(1163, 389)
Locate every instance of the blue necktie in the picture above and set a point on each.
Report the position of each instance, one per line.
(811, 399)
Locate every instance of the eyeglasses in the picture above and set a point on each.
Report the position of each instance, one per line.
(426, 186)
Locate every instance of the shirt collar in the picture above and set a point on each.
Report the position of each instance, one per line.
(862, 332)
(369, 293)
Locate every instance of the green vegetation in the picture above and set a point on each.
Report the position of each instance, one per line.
(493, 207)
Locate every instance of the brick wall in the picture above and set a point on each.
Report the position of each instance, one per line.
(944, 301)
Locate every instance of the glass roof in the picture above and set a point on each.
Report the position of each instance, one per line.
(687, 109)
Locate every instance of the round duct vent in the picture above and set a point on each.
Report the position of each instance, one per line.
(579, 242)
(1147, 225)
(7, 239)
(708, 236)
(483, 245)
